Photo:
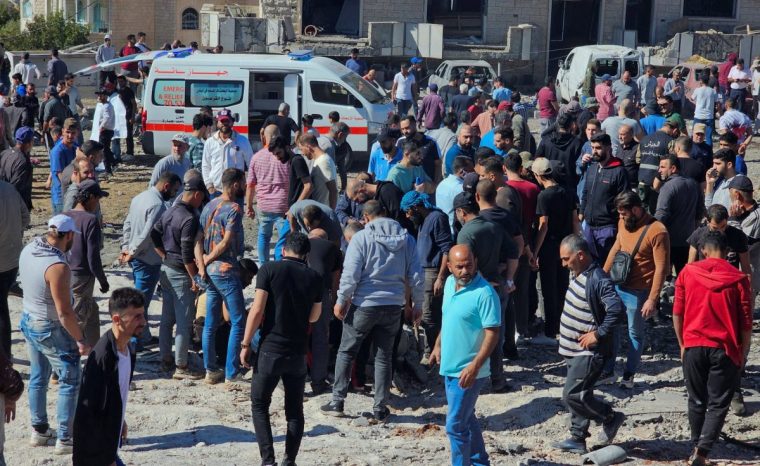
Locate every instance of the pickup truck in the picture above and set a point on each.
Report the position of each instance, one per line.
(609, 59)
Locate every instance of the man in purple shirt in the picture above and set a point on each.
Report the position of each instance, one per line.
(432, 110)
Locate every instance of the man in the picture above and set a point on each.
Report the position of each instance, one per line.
(104, 128)
(62, 154)
(640, 292)
(16, 218)
(16, 166)
(308, 215)
(56, 68)
(176, 162)
(647, 83)
(355, 64)
(433, 244)
(557, 218)
(445, 137)
(593, 126)
(667, 110)
(380, 264)
(484, 122)
(719, 177)
(105, 53)
(136, 246)
(52, 108)
(605, 97)
(628, 151)
(626, 88)
(547, 105)
(100, 426)
(503, 140)
(470, 333)
(402, 92)
(587, 114)
(129, 68)
(83, 170)
(605, 179)
(701, 150)
(562, 148)
(689, 167)
(712, 318)
(385, 156)
(461, 102)
(268, 181)
(448, 189)
(736, 241)
(128, 99)
(284, 123)
(723, 71)
(49, 325)
(27, 69)
(431, 157)
(432, 109)
(494, 250)
(739, 78)
(84, 258)
(408, 174)
(612, 125)
(592, 310)
(174, 239)
(202, 125)
(651, 149)
(222, 223)
(746, 216)
(737, 126)
(464, 147)
(90, 150)
(675, 89)
(75, 101)
(679, 208)
(501, 93)
(324, 176)
(704, 98)
(386, 193)
(225, 149)
(288, 298)
(336, 145)
(449, 91)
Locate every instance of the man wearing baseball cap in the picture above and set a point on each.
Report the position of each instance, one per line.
(224, 149)
(701, 149)
(176, 162)
(105, 53)
(16, 167)
(49, 325)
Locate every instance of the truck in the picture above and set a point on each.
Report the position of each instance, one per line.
(609, 59)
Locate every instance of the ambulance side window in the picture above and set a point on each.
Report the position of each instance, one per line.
(169, 92)
(331, 93)
(215, 93)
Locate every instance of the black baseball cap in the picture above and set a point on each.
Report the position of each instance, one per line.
(465, 199)
(742, 183)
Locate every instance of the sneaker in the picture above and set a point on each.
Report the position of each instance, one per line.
(214, 377)
(166, 365)
(238, 378)
(737, 404)
(543, 340)
(318, 388)
(572, 445)
(606, 378)
(64, 447)
(696, 460)
(333, 408)
(627, 381)
(185, 373)
(38, 439)
(521, 340)
(500, 387)
(379, 416)
(610, 428)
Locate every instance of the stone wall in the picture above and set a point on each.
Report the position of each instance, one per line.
(412, 11)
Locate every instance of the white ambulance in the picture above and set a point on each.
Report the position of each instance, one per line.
(252, 87)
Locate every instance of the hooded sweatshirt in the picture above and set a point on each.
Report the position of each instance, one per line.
(563, 148)
(379, 261)
(603, 183)
(714, 300)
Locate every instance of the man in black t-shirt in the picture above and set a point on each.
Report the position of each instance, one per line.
(299, 187)
(127, 96)
(283, 121)
(736, 240)
(288, 298)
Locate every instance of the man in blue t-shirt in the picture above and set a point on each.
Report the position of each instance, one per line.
(61, 156)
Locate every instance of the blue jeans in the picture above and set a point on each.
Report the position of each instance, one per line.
(282, 236)
(116, 149)
(225, 288)
(178, 307)
(710, 124)
(633, 300)
(267, 222)
(146, 277)
(51, 348)
(57, 207)
(462, 427)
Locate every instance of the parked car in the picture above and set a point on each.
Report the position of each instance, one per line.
(450, 68)
(609, 59)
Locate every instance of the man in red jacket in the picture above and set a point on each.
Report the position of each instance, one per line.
(712, 317)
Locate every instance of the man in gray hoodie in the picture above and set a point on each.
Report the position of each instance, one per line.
(381, 264)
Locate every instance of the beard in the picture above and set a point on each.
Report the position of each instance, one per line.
(464, 280)
(418, 220)
(630, 223)
(240, 193)
(226, 130)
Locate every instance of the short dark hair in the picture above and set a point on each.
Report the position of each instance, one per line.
(486, 189)
(729, 137)
(278, 142)
(627, 200)
(169, 177)
(54, 52)
(130, 37)
(307, 120)
(450, 120)
(298, 243)
(410, 118)
(666, 97)
(602, 138)
(483, 153)
(312, 213)
(200, 120)
(308, 139)
(461, 162)
(333, 115)
(717, 213)
(673, 159)
(373, 208)
(595, 122)
(68, 76)
(124, 298)
(16, 76)
(505, 133)
(513, 162)
(725, 155)
(26, 55)
(248, 267)
(409, 146)
(493, 165)
(684, 143)
(393, 119)
(715, 240)
(231, 176)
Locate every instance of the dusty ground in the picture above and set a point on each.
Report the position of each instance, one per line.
(186, 423)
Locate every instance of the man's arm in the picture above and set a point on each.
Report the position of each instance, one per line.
(94, 235)
(152, 216)
(58, 278)
(470, 373)
(255, 317)
(188, 236)
(332, 188)
(227, 240)
(308, 188)
(250, 193)
(157, 237)
(661, 252)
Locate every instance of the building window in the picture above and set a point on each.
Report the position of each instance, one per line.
(710, 8)
(190, 19)
(26, 9)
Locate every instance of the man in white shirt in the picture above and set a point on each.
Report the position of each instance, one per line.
(105, 53)
(225, 149)
(739, 78)
(402, 91)
(323, 173)
(704, 98)
(26, 69)
(105, 127)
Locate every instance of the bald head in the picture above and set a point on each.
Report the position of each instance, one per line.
(318, 233)
(462, 265)
(270, 132)
(460, 251)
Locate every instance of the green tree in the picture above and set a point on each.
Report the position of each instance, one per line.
(55, 31)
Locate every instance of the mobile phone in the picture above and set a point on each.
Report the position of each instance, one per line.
(714, 173)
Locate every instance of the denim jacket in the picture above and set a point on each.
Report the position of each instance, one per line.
(605, 305)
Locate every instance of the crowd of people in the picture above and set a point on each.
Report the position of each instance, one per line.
(438, 255)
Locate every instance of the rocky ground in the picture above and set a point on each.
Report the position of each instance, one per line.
(184, 423)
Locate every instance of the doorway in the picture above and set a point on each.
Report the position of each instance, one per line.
(638, 17)
(460, 18)
(573, 23)
(332, 16)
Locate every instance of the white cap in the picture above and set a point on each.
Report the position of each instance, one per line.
(108, 36)
(62, 224)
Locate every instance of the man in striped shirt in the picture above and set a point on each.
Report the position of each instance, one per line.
(592, 309)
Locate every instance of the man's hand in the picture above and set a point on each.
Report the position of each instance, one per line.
(125, 257)
(438, 286)
(340, 311)
(649, 308)
(124, 432)
(250, 212)
(468, 375)
(588, 340)
(104, 287)
(682, 351)
(205, 259)
(84, 349)
(420, 188)
(711, 176)
(742, 149)
(48, 183)
(10, 411)
(244, 354)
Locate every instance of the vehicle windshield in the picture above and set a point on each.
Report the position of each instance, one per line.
(365, 89)
(607, 66)
(480, 71)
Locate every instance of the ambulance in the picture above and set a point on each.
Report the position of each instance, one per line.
(252, 87)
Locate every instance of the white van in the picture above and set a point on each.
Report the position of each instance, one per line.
(609, 59)
(252, 87)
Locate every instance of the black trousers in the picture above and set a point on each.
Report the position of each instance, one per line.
(7, 279)
(554, 282)
(272, 367)
(431, 309)
(578, 395)
(711, 378)
(522, 297)
(130, 138)
(104, 138)
(679, 256)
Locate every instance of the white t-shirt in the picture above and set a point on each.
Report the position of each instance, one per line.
(322, 172)
(736, 73)
(125, 368)
(403, 86)
(704, 102)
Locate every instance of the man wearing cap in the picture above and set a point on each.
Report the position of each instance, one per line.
(355, 64)
(284, 123)
(15, 166)
(174, 238)
(82, 170)
(744, 214)
(701, 149)
(605, 97)
(104, 127)
(84, 258)
(402, 91)
(176, 162)
(432, 109)
(105, 53)
(60, 156)
(225, 149)
(49, 325)
(704, 99)
(385, 156)
(651, 149)
(647, 83)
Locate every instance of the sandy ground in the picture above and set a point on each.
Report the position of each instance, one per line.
(184, 423)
